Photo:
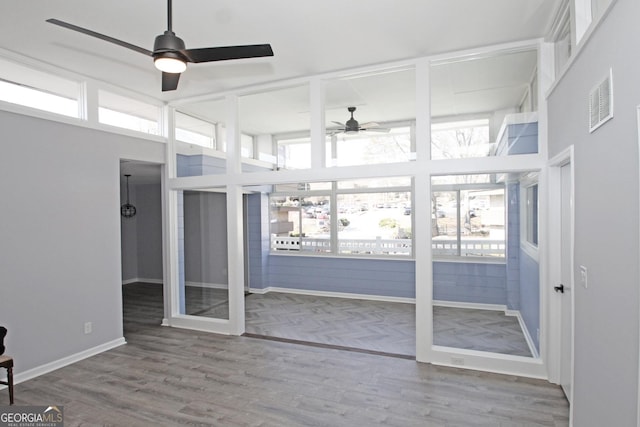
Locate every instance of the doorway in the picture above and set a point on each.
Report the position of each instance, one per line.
(561, 254)
(141, 239)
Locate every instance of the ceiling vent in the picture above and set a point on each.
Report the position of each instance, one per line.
(601, 103)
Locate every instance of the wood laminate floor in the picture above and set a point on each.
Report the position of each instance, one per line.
(170, 377)
(382, 326)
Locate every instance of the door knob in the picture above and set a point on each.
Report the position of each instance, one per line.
(559, 288)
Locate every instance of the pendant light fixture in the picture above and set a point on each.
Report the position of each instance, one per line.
(128, 210)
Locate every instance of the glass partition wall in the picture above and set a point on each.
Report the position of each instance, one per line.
(370, 118)
(485, 271)
(204, 287)
(485, 282)
(344, 170)
(201, 138)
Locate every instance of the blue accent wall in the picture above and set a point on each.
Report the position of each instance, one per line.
(199, 165)
(519, 138)
(391, 278)
(470, 282)
(523, 138)
(530, 295)
(257, 239)
(513, 246)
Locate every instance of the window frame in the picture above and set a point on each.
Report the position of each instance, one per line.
(334, 239)
(532, 249)
(458, 188)
(119, 97)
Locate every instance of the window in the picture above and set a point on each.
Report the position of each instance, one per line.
(294, 153)
(31, 88)
(561, 35)
(373, 218)
(195, 131)
(127, 113)
(383, 102)
(455, 140)
(279, 113)
(246, 145)
(531, 218)
(392, 144)
(300, 221)
(468, 218)
(474, 99)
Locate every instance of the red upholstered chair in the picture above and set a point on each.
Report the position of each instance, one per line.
(7, 363)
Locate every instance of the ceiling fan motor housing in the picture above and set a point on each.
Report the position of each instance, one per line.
(352, 126)
(168, 45)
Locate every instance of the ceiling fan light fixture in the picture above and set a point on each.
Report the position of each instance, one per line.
(169, 64)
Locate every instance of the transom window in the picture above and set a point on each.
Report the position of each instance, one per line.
(35, 89)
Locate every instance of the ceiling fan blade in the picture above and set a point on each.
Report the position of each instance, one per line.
(99, 36)
(382, 130)
(210, 54)
(170, 81)
(338, 123)
(370, 125)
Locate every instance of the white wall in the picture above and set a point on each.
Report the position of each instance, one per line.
(60, 236)
(606, 206)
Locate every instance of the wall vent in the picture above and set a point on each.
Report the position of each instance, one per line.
(601, 103)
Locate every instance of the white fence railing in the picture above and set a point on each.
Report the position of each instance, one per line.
(475, 247)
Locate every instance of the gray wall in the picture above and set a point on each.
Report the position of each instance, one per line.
(60, 236)
(606, 222)
(149, 231)
(205, 238)
(142, 234)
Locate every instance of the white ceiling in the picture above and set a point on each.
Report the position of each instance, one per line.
(308, 37)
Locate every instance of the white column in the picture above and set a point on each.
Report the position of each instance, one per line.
(235, 215)
(421, 210)
(318, 144)
(170, 245)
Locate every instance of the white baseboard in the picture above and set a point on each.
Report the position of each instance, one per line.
(472, 305)
(525, 331)
(207, 285)
(333, 294)
(60, 363)
(140, 279)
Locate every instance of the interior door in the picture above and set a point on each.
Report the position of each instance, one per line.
(567, 296)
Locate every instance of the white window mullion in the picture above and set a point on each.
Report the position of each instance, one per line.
(334, 218)
(318, 145)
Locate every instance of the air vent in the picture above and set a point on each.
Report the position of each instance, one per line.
(601, 103)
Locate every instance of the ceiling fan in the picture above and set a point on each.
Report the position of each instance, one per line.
(352, 126)
(170, 55)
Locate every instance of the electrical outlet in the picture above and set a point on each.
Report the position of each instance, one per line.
(458, 361)
(88, 327)
(583, 276)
